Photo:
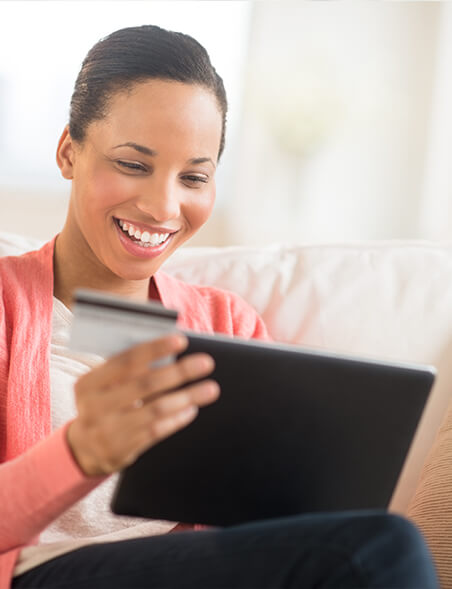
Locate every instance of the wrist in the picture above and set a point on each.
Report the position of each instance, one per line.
(75, 441)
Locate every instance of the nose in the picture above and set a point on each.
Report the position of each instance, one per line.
(160, 199)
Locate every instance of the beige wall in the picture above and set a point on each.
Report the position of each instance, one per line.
(32, 214)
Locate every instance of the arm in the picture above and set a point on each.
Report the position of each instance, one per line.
(37, 487)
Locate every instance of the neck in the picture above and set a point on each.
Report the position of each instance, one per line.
(74, 267)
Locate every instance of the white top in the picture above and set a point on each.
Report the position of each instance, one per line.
(89, 520)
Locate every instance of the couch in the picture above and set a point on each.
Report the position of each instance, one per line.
(387, 300)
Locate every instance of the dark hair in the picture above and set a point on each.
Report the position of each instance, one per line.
(136, 54)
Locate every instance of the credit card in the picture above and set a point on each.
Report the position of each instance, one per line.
(107, 324)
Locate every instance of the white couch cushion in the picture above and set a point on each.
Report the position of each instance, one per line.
(386, 299)
(390, 299)
(12, 244)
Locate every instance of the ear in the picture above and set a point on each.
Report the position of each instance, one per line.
(65, 155)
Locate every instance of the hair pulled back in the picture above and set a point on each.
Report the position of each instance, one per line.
(136, 54)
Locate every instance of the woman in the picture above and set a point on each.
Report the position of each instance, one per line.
(146, 130)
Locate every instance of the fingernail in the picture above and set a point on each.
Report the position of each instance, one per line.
(189, 413)
(211, 389)
(180, 340)
(206, 362)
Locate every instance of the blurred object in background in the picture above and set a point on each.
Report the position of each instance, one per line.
(356, 79)
(339, 125)
(296, 100)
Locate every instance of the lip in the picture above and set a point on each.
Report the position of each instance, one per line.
(142, 227)
(139, 251)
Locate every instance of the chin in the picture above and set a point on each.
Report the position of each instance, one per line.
(135, 274)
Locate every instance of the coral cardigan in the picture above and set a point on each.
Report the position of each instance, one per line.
(39, 478)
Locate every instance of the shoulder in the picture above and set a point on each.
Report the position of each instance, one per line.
(211, 309)
(29, 268)
(24, 277)
(29, 264)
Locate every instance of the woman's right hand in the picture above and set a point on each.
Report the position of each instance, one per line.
(126, 405)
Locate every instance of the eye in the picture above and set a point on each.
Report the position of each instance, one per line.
(192, 179)
(132, 166)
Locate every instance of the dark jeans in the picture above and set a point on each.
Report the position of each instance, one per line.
(348, 550)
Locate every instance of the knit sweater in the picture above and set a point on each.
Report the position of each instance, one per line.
(39, 478)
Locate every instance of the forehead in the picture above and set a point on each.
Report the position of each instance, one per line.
(162, 112)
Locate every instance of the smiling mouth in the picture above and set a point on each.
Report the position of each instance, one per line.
(141, 238)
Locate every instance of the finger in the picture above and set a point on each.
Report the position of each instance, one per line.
(155, 416)
(133, 441)
(156, 382)
(130, 363)
(166, 426)
(198, 394)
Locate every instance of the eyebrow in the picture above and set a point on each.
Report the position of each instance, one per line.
(201, 160)
(152, 152)
(140, 148)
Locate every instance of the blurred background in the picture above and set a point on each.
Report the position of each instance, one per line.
(340, 124)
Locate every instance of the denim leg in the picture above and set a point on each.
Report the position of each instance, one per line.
(340, 550)
(371, 550)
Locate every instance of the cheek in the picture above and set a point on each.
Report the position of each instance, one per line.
(104, 190)
(199, 209)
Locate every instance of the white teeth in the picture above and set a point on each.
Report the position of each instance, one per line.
(146, 238)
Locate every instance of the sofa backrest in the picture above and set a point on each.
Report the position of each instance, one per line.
(390, 299)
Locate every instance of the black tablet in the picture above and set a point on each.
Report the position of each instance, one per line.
(294, 431)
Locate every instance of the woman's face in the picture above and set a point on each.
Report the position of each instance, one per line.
(143, 179)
